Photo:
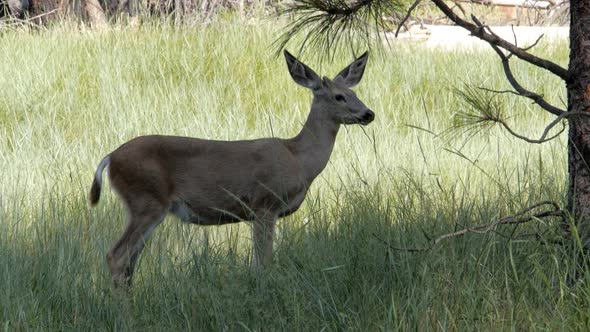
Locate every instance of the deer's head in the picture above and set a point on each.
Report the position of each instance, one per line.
(335, 96)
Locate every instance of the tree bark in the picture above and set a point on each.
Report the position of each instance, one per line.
(95, 13)
(578, 93)
(34, 8)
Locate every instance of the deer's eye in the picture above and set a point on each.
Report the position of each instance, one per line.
(340, 98)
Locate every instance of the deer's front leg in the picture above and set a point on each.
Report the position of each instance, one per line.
(263, 232)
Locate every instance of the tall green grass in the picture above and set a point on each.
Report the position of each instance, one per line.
(67, 98)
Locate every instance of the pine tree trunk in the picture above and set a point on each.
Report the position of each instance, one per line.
(578, 93)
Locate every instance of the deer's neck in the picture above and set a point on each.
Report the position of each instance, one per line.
(313, 145)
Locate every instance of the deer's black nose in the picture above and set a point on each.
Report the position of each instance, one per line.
(368, 116)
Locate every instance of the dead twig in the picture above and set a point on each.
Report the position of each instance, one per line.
(458, 5)
(535, 97)
(553, 123)
(535, 43)
(543, 138)
(403, 21)
(520, 217)
(499, 91)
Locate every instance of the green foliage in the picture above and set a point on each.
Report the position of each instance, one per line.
(330, 26)
(67, 98)
(480, 110)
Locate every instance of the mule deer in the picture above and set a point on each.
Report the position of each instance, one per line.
(218, 182)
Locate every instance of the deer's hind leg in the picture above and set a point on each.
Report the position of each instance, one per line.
(145, 213)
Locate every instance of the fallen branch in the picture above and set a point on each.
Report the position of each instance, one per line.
(515, 219)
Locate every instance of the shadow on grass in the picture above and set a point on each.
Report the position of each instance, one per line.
(332, 271)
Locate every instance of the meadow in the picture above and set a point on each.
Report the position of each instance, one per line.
(69, 96)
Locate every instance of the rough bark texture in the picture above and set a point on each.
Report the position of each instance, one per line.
(579, 128)
(34, 8)
(95, 13)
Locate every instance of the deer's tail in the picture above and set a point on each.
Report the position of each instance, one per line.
(97, 183)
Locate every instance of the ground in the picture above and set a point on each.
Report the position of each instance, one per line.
(447, 36)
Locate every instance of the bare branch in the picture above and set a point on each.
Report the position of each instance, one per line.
(538, 99)
(500, 91)
(553, 123)
(492, 39)
(487, 110)
(458, 5)
(490, 31)
(542, 139)
(513, 32)
(515, 219)
(535, 43)
(403, 21)
(514, 35)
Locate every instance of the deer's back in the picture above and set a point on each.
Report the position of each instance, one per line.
(210, 181)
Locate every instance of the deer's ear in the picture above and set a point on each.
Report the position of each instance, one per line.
(351, 75)
(302, 74)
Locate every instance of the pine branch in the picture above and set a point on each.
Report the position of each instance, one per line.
(484, 108)
(481, 111)
(328, 25)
